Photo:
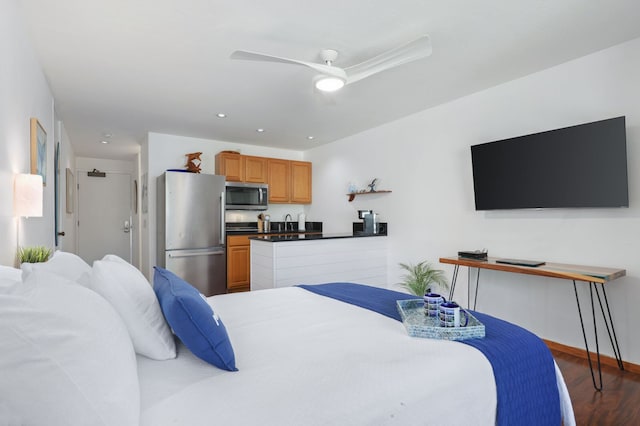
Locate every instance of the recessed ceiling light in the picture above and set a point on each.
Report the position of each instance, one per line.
(261, 130)
(310, 137)
(221, 115)
(108, 135)
(104, 142)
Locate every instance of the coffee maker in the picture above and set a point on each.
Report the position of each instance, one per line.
(370, 220)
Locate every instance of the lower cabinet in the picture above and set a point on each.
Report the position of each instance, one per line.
(238, 263)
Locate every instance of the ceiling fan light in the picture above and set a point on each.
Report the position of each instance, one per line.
(329, 84)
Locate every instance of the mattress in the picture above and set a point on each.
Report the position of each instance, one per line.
(304, 359)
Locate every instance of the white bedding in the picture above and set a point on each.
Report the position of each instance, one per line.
(305, 359)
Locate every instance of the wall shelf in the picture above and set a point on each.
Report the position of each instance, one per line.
(353, 195)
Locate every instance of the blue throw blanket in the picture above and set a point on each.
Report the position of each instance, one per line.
(522, 364)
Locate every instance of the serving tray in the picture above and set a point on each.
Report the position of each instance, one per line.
(420, 325)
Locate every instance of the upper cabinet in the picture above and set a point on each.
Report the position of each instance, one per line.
(255, 169)
(279, 172)
(230, 165)
(289, 181)
(300, 182)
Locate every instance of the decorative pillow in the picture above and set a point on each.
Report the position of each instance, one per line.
(131, 295)
(193, 320)
(68, 265)
(66, 357)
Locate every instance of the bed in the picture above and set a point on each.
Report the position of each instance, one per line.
(301, 358)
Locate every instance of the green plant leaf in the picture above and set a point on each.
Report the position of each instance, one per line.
(422, 277)
(34, 254)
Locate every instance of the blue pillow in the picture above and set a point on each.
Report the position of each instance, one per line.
(193, 320)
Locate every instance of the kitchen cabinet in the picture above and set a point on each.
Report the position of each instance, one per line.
(300, 182)
(289, 181)
(279, 180)
(238, 263)
(230, 165)
(255, 169)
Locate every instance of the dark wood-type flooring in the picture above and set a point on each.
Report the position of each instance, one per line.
(617, 404)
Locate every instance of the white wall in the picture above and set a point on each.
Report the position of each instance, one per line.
(425, 160)
(161, 152)
(25, 93)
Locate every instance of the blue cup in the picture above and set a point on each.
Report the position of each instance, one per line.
(432, 302)
(450, 315)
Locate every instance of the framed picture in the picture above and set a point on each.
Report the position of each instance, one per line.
(70, 185)
(38, 150)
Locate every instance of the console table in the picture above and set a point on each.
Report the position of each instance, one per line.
(594, 276)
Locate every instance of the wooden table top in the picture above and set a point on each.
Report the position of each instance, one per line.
(554, 270)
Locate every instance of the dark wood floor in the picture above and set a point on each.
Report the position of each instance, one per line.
(617, 404)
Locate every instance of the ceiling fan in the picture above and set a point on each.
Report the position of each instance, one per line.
(333, 78)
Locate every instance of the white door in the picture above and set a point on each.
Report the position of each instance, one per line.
(104, 216)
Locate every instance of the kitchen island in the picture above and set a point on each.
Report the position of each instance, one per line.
(283, 261)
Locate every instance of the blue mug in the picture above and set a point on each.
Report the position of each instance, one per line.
(432, 302)
(450, 313)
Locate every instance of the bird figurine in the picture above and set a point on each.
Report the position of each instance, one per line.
(372, 185)
(193, 162)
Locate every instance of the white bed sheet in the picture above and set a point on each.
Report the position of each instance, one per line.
(306, 359)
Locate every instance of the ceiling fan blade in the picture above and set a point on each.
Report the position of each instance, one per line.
(321, 68)
(412, 51)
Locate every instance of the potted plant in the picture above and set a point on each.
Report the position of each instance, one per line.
(34, 254)
(422, 278)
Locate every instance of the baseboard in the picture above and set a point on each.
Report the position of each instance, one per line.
(581, 353)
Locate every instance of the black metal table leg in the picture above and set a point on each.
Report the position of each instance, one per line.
(456, 268)
(586, 343)
(475, 299)
(608, 322)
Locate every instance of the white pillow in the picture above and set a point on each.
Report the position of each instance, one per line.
(131, 295)
(8, 278)
(9, 273)
(68, 265)
(65, 357)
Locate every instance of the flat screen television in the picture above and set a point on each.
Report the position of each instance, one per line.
(577, 166)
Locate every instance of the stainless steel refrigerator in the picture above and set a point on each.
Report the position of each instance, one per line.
(191, 229)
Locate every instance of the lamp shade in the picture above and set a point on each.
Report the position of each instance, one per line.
(27, 195)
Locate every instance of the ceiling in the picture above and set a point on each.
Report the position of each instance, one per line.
(128, 67)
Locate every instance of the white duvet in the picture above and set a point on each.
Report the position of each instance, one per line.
(305, 359)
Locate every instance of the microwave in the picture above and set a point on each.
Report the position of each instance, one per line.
(246, 196)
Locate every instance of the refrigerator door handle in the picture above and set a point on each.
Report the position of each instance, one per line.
(223, 229)
(195, 253)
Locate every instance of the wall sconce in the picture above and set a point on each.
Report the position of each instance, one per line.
(27, 195)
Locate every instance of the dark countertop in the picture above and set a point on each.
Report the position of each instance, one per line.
(251, 228)
(303, 237)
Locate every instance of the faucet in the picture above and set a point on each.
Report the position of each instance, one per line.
(288, 221)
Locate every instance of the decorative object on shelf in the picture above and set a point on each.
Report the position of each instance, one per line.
(422, 278)
(38, 150)
(372, 185)
(34, 254)
(193, 162)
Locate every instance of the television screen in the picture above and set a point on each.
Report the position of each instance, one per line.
(577, 166)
